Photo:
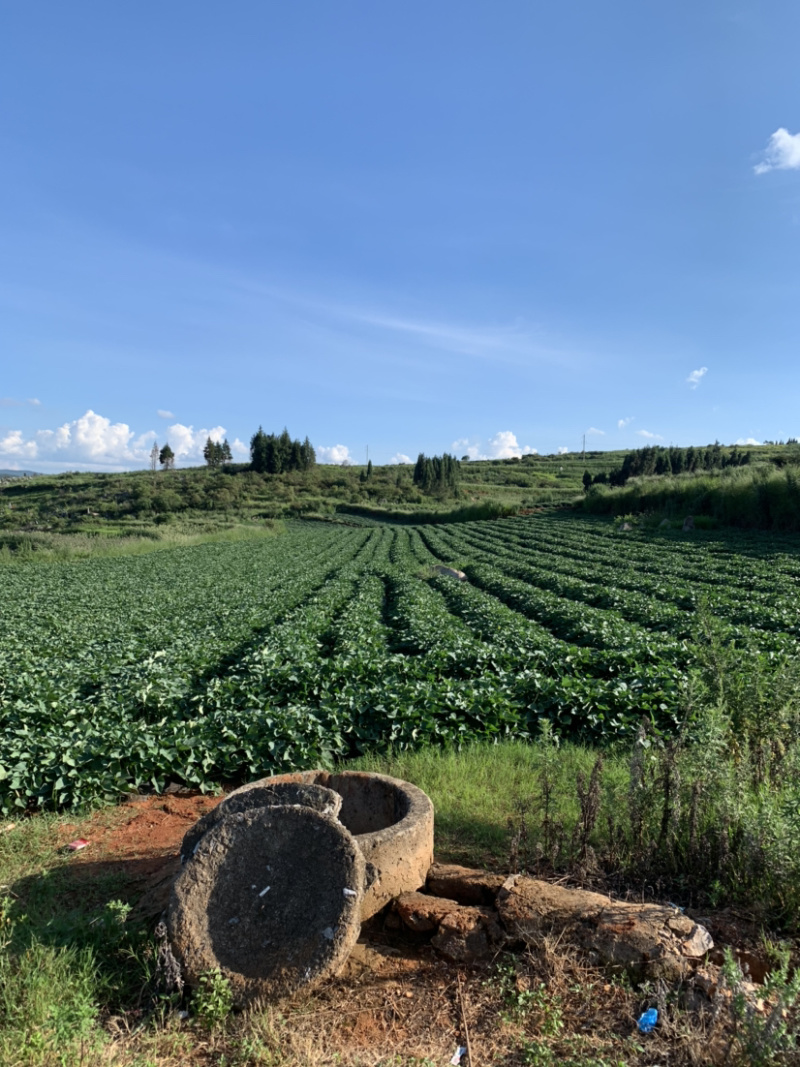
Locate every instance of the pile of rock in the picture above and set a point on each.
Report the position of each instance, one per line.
(472, 914)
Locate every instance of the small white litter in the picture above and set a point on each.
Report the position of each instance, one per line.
(350, 892)
(266, 889)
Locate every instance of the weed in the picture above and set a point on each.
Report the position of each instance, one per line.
(213, 1001)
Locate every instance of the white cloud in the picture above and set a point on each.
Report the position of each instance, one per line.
(334, 454)
(650, 436)
(696, 377)
(13, 444)
(503, 445)
(239, 448)
(188, 443)
(782, 152)
(162, 414)
(563, 450)
(622, 423)
(594, 430)
(401, 457)
(747, 441)
(94, 441)
(34, 402)
(92, 438)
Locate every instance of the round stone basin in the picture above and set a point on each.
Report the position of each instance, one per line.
(391, 821)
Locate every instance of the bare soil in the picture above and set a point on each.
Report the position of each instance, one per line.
(396, 1002)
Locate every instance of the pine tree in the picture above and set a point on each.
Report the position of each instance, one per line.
(258, 451)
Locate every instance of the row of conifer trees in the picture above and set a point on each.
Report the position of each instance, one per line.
(277, 453)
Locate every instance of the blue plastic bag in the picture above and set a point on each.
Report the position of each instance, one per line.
(647, 1020)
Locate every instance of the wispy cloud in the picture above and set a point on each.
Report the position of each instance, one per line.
(650, 436)
(696, 377)
(622, 423)
(747, 441)
(594, 430)
(514, 342)
(162, 414)
(401, 457)
(782, 152)
(563, 450)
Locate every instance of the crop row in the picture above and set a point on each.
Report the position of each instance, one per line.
(234, 660)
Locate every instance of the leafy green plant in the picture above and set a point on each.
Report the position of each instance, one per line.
(213, 1001)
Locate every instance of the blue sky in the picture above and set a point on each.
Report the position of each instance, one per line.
(423, 226)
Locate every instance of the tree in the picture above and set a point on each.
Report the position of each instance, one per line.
(587, 481)
(258, 451)
(369, 469)
(166, 457)
(154, 456)
(227, 455)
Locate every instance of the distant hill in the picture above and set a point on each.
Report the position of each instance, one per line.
(17, 474)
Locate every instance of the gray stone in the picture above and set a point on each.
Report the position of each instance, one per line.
(391, 820)
(451, 572)
(272, 898)
(688, 523)
(262, 795)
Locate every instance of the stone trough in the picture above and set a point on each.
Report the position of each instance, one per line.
(277, 879)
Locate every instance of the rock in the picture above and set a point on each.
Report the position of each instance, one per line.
(451, 572)
(688, 523)
(626, 527)
(469, 934)
(463, 884)
(422, 913)
(391, 820)
(663, 524)
(272, 898)
(698, 943)
(260, 795)
(645, 940)
(463, 934)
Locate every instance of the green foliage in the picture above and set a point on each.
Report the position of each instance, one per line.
(437, 474)
(215, 453)
(761, 496)
(213, 1001)
(278, 453)
(768, 1038)
(234, 660)
(166, 457)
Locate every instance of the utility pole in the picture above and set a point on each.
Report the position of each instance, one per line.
(584, 450)
(367, 455)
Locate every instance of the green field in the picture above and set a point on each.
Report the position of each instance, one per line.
(225, 661)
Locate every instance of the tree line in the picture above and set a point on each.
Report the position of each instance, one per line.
(277, 453)
(657, 459)
(437, 474)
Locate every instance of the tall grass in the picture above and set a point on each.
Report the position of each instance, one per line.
(34, 546)
(758, 497)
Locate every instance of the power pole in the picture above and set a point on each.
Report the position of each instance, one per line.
(584, 450)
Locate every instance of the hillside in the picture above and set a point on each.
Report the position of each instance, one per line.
(49, 509)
